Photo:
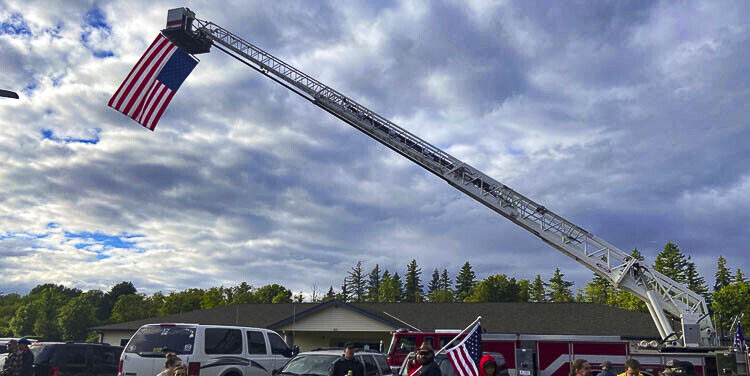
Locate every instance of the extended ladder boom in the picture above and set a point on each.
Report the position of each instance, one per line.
(660, 293)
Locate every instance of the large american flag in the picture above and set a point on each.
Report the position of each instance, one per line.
(465, 357)
(739, 338)
(151, 84)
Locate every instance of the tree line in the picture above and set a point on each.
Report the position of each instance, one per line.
(57, 312)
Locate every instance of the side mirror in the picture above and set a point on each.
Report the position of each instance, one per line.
(295, 350)
(275, 372)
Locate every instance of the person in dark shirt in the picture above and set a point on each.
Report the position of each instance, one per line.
(27, 358)
(426, 358)
(607, 369)
(12, 365)
(346, 364)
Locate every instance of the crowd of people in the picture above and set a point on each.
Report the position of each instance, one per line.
(20, 360)
(581, 367)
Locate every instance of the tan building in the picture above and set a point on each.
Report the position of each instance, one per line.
(331, 324)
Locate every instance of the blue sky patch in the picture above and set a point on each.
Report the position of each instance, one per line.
(48, 134)
(96, 19)
(97, 238)
(15, 25)
(93, 20)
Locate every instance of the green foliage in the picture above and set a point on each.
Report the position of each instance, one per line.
(465, 280)
(357, 284)
(183, 301)
(330, 295)
(598, 291)
(495, 288)
(441, 296)
(733, 300)
(216, 297)
(132, 307)
(273, 293)
(373, 284)
(671, 262)
(445, 281)
(559, 288)
(524, 293)
(9, 304)
(694, 281)
(723, 276)
(538, 290)
(299, 298)
(242, 294)
(76, 317)
(739, 276)
(434, 284)
(391, 288)
(413, 287)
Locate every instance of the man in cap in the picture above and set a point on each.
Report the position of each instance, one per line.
(27, 358)
(607, 369)
(12, 364)
(347, 364)
(426, 358)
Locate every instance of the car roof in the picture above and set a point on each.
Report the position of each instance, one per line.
(339, 352)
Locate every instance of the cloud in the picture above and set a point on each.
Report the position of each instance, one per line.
(628, 119)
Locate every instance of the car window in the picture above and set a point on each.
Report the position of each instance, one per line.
(383, 363)
(106, 355)
(371, 369)
(42, 354)
(75, 355)
(406, 344)
(155, 340)
(444, 341)
(309, 365)
(429, 340)
(223, 341)
(278, 346)
(256, 342)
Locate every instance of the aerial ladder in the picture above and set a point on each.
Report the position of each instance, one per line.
(663, 296)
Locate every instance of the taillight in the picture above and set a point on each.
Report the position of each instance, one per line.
(194, 369)
(53, 371)
(119, 368)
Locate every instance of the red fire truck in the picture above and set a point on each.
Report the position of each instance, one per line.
(551, 355)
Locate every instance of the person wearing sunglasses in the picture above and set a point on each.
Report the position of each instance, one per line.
(426, 358)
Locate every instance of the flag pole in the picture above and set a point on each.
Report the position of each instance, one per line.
(479, 318)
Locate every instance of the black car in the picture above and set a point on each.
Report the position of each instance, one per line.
(75, 359)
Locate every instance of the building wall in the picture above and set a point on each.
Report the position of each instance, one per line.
(318, 339)
(334, 319)
(114, 337)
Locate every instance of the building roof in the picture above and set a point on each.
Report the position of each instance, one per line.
(511, 318)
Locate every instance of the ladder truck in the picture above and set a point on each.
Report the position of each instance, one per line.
(664, 297)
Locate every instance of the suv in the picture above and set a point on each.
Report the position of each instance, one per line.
(206, 350)
(446, 368)
(317, 363)
(72, 359)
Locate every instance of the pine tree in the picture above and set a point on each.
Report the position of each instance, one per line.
(445, 281)
(465, 280)
(398, 287)
(434, 283)
(388, 293)
(357, 283)
(373, 284)
(637, 254)
(345, 294)
(739, 277)
(538, 290)
(671, 262)
(559, 289)
(330, 295)
(598, 291)
(413, 286)
(694, 280)
(723, 276)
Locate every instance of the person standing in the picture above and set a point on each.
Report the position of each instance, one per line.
(426, 359)
(607, 369)
(12, 365)
(580, 367)
(27, 358)
(347, 364)
(632, 368)
(487, 366)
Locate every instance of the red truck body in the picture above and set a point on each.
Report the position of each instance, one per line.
(551, 355)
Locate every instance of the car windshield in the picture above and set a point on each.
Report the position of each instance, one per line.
(155, 340)
(309, 365)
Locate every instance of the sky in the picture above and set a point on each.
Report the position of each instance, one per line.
(629, 119)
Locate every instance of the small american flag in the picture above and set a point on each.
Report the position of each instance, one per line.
(151, 84)
(739, 338)
(465, 357)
